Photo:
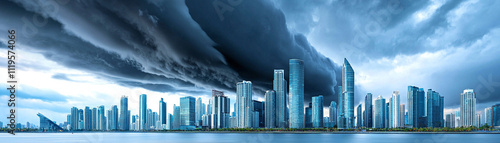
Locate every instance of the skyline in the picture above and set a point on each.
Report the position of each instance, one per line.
(428, 44)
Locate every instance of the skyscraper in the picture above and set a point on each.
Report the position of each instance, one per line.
(198, 111)
(487, 116)
(124, 116)
(368, 111)
(495, 116)
(341, 109)
(359, 116)
(348, 93)
(177, 117)
(416, 106)
(450, 120)
(102, 118)
(296, 96)
(434, 109)
(394, 110)
(187, 112)
(333, 113)
(94, 119)
(402, 115)
(142, 112)
(245, 104)
(308, 116)
(468, 107)
(221, 108)
(162, 112)
(258, 108)
(87, 118)
(113, 118)
(280, 87)
(270, 97)
(379, 113)
(74, 119)
(317, 111)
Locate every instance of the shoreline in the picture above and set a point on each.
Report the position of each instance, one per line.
(282, 132)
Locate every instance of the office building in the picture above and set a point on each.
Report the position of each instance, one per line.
(450, 120)
(308, 116)
(296, 95)
(198, 111)
(394, 110)
(162, 111)
(74, 119)
(187, 112)
(142, 112)
(368, 118)
(102, 118)
(416, 107)
(495, 116)
(317, 111)
(333, 113)
(177, 117)
(359, 116)
(340, 109)
(402, 118)
(280, 87)
(245, 104)
(221, 108)
(94, 119)
(270, 104)
(379, 113)
(348, 93)
(487, 116)
(124, 116)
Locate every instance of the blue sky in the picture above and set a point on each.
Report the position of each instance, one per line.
(90, 53)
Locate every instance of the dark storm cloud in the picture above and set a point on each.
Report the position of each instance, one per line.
(255, 42)
(157, 45)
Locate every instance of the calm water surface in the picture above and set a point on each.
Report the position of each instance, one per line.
(244, 138)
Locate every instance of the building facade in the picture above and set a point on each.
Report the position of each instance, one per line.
(379, 113)
(368, 118)
(221, 108)
(280, 87)
(187, 112)
(142, 111)
(271, 113)
(468, 108)
(245, 104)
(348, 92)
(317, 111)
(296, 95)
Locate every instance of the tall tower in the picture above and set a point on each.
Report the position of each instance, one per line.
(124, 117)
(395, 115)
(221, 108)
(162, 112)
(142, 112)
(245, 104)
(296, 93)
(270, 106)
(348, 93)
(468, 107)
(198, 111)
(280, 88)
(368, 118)
(317, 111)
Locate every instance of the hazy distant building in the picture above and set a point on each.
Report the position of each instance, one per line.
(317, 111)
(467, 107)
(402, 118)
(296, 94)
(280, 87)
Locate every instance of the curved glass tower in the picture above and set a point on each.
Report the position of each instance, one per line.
(296, 95)
(348, 93)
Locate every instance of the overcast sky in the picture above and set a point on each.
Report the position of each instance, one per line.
(90, 53)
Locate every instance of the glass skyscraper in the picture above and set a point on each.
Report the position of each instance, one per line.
(468, 107)
(416, 107)
(317, 111)
(94, 119)
(348, 93)
(270, 104)
(333, 113)
(308, 116)
(394, 118)
(487, 116)
(495, 116)
(434, 109)
(359, 116)
(340, 109)
(368, 118)
(379, 113)
(87, 118)
(142, 112)
(221, 108)
(245, 104)
(198, 111)
(177, 117)
(124, 117)
(280, 87)
(162, 111)
(296, 93)
(187, 112)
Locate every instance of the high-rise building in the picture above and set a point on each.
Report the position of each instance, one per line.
(187, 112)
(149, 120)
(102, 118)
(170, 122)
(221, 108)
(177, 117)
(450, 120)
(124, 116)
(280, 87)
(270, 102)
(402, 119)
(317, 111)
(348, 92)
(308, 116)
(162, 112)
(94, 119)
(387, 111)
(359, 116)
(379, 113)
(434, 109)
(477, 122)
(245, 104)
(467, 107)
(296, 95)
(258, 107)
(142, 112)
(87, 119)
(495, 116)
(81, 123)
(340, 109)
(394, 110)
(74, 119)
(368, 118)
(487, 116)
(198, 111)
(416, 106)
(333, 113)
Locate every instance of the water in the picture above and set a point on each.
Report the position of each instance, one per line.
(243, 138)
